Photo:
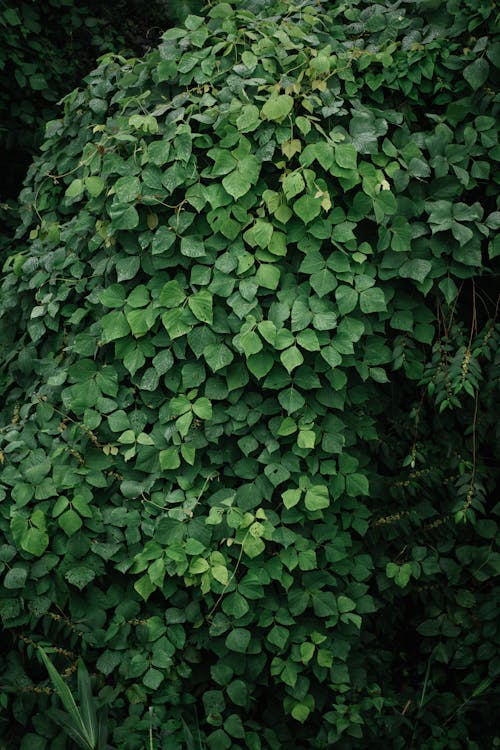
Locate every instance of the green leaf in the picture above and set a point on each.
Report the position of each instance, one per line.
(169, 459)
(291, 497)
(401, 235)
(268, 276)
(331, 356)
(308, 340)
(171, 294)
(324, 321)
(114, 326)
(87, 704)
(293, 184)
(75, 189)
(139, 297)
(144, 587)
(140, 321)
(94, 186)
(291, 400)
(200, 305)
(15, 578)
(476, 74)
(301, 712)
(260, 234)
(203, 408)
(217, 356)
(260, 364)
(317, 497)
(70, 522)
(153, 678)
(34, 541)
(238, 692)
(323, 282)
(123, 216)
(307, 208)
(372, 300)
(347, 299)
(175, 323)
(248, 119)
(236, 185)
(356, 485)
(192, 247)
(306, 439)
(346, 156)
(417, 269)
(238, 640)
(277, 107)
(127, 189)
(291, 358)
(385, 204)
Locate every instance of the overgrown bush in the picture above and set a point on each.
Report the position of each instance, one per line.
(250, 367)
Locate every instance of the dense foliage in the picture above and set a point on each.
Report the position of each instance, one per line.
(46, 49)
(250, 365)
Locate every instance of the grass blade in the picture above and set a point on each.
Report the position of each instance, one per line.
(102, 729)
(188, 736)
(87, 705)
(66, 723)
(66, 697)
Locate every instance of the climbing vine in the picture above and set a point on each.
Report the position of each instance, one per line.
(250, 367)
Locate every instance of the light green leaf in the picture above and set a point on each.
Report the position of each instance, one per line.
(127, 189)
(75, 189)
(94, 186)
(171, 294)
(268, 276)
(317, 497)
(307, 208)
(248, 119)
(236, 184)
(192, 246)
(203, 408)
(114, 326)
(169, 459)
(277, 107)
(291, 497)
(346, 156)
(250, 343)
(301, 712)
(306, 439)
(291, 358)
(293, 184)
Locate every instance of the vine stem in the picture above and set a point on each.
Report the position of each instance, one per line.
(221, 595)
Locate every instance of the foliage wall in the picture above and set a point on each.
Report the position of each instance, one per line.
(250, 367)
(46, 50)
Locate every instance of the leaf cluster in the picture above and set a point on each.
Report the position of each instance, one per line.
(250, 362)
